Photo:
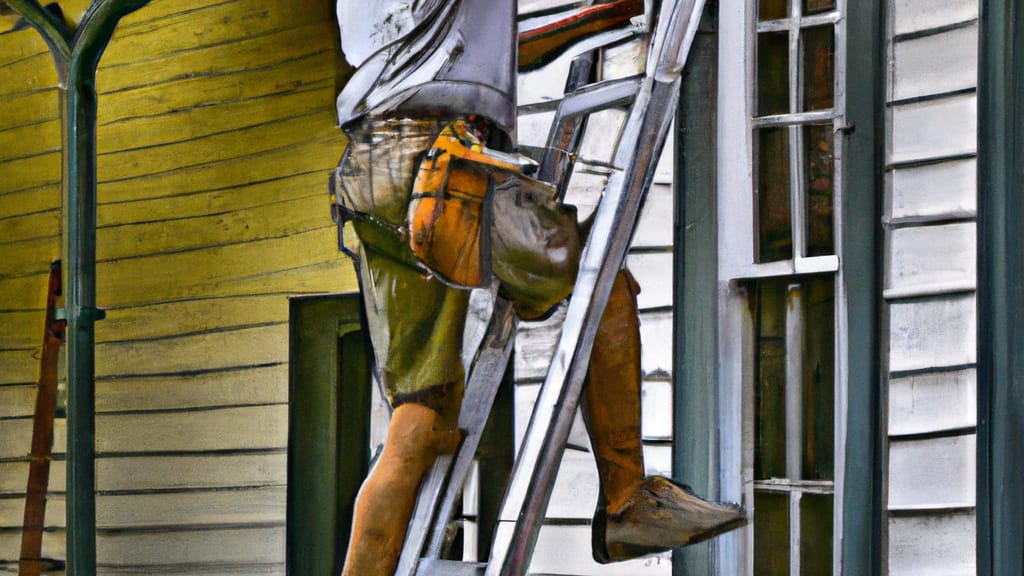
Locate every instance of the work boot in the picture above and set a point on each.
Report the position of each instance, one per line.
(635, 516)
(660, 516)
(416, 436)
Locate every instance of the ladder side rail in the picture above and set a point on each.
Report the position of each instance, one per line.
(639, 148)
(450, 470)
(555, 167)
(483, 385)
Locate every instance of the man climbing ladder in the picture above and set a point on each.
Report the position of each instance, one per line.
(441, 206)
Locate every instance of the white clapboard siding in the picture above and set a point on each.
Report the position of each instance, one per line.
(920, 15)
(234, 428)
(933, 402)
(930, 276)
(932, 473)
(932, 333)
(936, 63)
(933, 191)
(932, 544)
(925, 260)
(934, 128)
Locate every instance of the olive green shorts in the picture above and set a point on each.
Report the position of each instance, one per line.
(416, 320)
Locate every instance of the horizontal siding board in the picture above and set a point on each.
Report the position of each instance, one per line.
(266, 222)
(214, 271)
(316, 152)
(31, 201)
(168, 510)
(226, 429)
(19, 366)
(182, 58)
(930, 259)
(255, 545)
(17, 400)
(29, 257)
(655, 226)
(656, 343)
(213, 201)
(240, 387)
(22, 328)
(934, 129)
(657, 408)
(30, 227)
(239, 347)
(932, 333)
(946, 189)
(161, 320)
(932, 544)
(574, 494)
(153, 472)
(17, 436)
(919, 15)
(32, 171)
(34, 106)
(525, 398)
(131, 158)
(932, 473)
(936, 63)
(928, 403)
(649, 269)
(14, 477)
(54, 545)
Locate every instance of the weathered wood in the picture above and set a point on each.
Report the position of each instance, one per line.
(226, 429)
(235, 387)
(254, 346)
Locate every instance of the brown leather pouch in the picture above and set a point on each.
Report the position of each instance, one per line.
(449, 218)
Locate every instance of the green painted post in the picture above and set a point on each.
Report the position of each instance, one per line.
(1000, 290)
(863, 166)
(76, 55)
(696, 280)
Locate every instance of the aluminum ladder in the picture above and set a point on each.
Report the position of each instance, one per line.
(652, 98)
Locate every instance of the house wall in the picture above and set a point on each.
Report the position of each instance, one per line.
(929, 285)
(216, 132)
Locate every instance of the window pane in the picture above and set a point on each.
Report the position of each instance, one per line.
(772, 73)
(819, 379)
(815, 534)
(774, 221)
(772, 9)
(819, 169)
(770, 395)
(771, 534)
(815, 6)
(819, 67)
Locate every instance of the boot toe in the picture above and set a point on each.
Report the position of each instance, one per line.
(660, 516)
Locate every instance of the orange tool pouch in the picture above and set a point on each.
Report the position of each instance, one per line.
(450, 212)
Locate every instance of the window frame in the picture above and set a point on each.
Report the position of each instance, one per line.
(857, 520)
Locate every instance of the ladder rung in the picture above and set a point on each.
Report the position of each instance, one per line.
(435, 567)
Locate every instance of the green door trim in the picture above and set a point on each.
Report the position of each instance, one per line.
(1000, 472)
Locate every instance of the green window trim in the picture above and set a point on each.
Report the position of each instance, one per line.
(1000, 498)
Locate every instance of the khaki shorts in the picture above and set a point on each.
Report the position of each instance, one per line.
(416, 320)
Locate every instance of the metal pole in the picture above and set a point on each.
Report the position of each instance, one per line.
(76, 56)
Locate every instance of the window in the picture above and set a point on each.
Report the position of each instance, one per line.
(781, 341)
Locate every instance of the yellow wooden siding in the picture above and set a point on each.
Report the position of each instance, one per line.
(216, 134)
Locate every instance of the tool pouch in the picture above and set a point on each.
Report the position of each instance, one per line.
(450, 218)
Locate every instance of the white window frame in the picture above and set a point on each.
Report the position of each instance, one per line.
(737, 239)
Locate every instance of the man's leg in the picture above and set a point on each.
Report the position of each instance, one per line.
(635, 515)
(416, 436)
(416, 325)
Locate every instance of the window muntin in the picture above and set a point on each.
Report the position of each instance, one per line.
(795, 118)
